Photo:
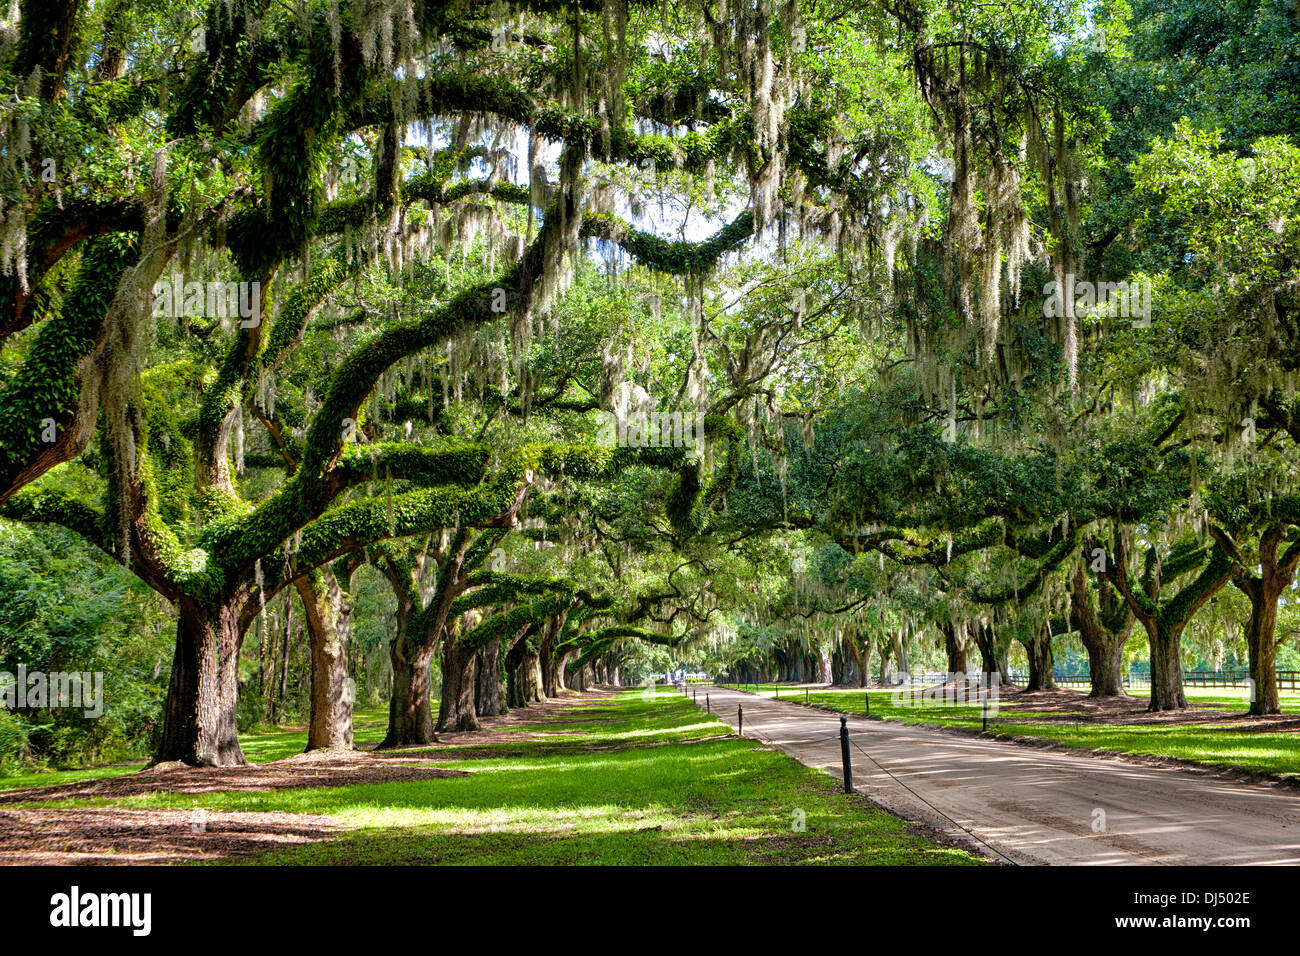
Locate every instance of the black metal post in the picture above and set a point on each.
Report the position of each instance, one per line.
(805, 695)
(844, 754)
(740, 714)
(707, 706)
(986, 714)
(867, 695)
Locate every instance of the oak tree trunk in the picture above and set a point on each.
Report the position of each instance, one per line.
(457, 710)
(1038, 650)
(328, 612)
(489, 687)
(560, 667)
(1164, 619)
(823, 666)
(1261, 645)
(846, 664)
(524, 677)
(547, 660)
(887, 666)
(1106, 667)
(900, 655)
(281, 687)
(410, 714)
(1264, 592)
(955, 648)
(1166, 667)
(1105, 646)
(199, 725)
(993, 662)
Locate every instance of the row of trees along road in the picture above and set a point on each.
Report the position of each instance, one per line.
(1031, 473)
(447, 229)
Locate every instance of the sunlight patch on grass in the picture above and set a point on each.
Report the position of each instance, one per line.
(667, 785)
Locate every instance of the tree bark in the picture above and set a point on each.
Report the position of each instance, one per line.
(456, 711)
(1105, 647)
(1264, 592)
(328, 612)
(901, 656)
(561, 666)
(547, 660)
(856, 659)
(993, 660)
(286, 646)
(887, 665)
(823, 659)
(954, 646)
(199, 725)
(410, 713)
(489, 689)
(1261, 645)
(1038, 650)
(846, 663)
(281, 677)
(1164, 620)
(523, 673)
(1166, 666)
(1106, 667)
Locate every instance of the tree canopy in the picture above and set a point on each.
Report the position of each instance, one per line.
(472, 350)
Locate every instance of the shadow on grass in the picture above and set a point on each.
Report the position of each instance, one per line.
(648, 845)
(639, 781)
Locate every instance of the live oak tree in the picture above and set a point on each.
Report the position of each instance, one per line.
(338, 80)
(1256, 519)
(417, 194)
(1103, 621)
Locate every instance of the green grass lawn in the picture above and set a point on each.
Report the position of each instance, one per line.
(633, 780)
(264, 744)
(52, 778)
(260, 745)
(1241, 748)
(1236, 700)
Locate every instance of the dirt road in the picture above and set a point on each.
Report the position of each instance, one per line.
(1036, 806)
